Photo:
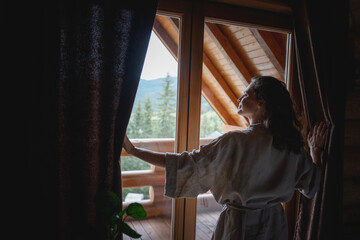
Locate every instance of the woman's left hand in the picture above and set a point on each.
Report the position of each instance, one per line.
(316, 138)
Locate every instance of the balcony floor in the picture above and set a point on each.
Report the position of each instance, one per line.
(159, 228)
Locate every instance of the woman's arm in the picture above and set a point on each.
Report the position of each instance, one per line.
(316, 140)
(155, 158)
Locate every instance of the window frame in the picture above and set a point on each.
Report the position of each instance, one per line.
(191, 32)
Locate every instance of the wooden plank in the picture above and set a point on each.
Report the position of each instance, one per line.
(139, 228)
(150, 231)
(272, 49)
(202, 231)
(142, 179)
(229, 52)
(256, 53)
(160, 227)
(208, 222)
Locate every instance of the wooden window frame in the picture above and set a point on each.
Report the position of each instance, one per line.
(190, 56)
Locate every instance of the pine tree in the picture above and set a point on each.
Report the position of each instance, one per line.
(135, 127)
(148, 115)
(167, 110)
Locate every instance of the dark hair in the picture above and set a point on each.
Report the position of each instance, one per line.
(282, 119)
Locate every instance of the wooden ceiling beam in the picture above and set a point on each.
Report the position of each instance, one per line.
(229, 52)
(271, 48)
(165, 38)
(216, 104)
(219, 78)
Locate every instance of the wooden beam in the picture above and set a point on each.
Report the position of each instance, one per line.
(216, 105)
(219, 78)
(229, 52)
(165, 38)
(271, 48)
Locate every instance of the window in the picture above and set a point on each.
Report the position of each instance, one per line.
(218, 49)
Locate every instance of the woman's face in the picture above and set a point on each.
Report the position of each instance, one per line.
(248, 103)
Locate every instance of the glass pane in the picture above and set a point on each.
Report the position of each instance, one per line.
(152, 126)
(232, 55)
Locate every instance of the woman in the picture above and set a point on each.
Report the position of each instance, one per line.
(250, 172)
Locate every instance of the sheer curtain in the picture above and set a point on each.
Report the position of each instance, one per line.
(86, 62)
(321, 54)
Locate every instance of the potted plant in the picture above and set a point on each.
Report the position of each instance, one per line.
(113, 218)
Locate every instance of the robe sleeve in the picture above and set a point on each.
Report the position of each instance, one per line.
(308, 179)
(189, 174)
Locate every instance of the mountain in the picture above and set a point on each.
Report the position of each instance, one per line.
(153, 88)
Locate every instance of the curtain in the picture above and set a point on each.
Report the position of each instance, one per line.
(321, 53)
(85, 62)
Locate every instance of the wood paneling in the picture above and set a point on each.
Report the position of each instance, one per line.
(272, 48)
(353, 105)
(352, 133)
(352, 163)
(228, 52)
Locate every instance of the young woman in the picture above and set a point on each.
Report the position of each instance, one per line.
(249, 172)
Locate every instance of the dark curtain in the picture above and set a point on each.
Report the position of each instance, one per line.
(84, 60)
(321, 53)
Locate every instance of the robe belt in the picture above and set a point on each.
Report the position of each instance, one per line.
(250, 209)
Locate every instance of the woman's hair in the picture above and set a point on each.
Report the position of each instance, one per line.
(281, 117)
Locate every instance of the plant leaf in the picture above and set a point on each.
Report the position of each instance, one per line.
(128, 230)
(136, 210)
(122, 212)
(107, 203)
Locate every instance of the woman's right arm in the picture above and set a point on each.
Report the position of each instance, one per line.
(155, 158)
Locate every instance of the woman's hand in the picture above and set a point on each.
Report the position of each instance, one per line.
(316, 140)
(155, 158)
(127, 145)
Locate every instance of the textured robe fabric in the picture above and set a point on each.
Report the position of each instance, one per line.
(248, 176)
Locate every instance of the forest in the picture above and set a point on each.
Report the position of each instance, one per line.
(154, 116)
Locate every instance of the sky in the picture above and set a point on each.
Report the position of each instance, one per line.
(158, 60)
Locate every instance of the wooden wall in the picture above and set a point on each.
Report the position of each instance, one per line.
(351, 197)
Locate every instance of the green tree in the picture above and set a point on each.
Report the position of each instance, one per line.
(167, 110)
(148, 119)
(135, 126)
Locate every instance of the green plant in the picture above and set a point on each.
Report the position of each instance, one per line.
(113, 218)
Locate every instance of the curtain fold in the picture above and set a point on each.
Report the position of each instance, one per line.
(321, 53)
(87, 62)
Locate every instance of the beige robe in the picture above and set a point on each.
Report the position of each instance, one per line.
(247, 175)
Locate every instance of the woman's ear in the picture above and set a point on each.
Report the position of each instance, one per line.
(261, 103)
